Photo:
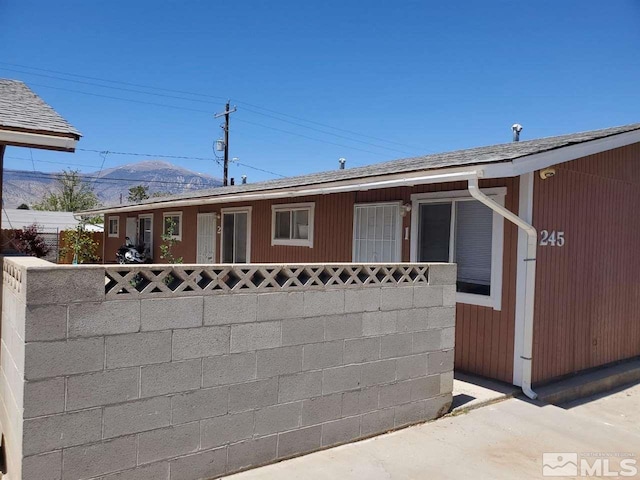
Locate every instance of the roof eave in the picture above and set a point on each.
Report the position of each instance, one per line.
(538, 161)
(352, 185)
(46, 141)
(497, 169)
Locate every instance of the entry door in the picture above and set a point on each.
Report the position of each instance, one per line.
(206, 245)
(236, 236)
(145, 232)
(131, 230)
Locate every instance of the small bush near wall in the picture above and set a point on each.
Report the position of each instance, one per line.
(29, 241)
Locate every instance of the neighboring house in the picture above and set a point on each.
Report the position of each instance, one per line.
(46, 221)
(579, 191)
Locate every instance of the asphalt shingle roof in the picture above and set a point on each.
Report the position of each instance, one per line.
(474, 156)
(22, 109)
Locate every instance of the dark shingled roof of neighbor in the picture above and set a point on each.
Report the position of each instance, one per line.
(21, 109)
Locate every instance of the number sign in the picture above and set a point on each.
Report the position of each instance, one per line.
(551, 238)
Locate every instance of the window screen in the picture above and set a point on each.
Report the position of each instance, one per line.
(375, 235)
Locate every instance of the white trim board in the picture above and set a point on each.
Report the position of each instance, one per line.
(37, 140)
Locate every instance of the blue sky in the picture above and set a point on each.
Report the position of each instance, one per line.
(409, 77)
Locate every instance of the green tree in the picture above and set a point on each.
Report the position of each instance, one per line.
(71, 194)
(138, 193)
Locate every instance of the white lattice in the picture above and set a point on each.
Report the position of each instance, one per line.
(12, 276)
(198, 279)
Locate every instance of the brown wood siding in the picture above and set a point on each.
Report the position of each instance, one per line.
(587, 308)
(484, 337)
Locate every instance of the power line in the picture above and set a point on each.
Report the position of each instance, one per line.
(260, 169)
(204, 111)
(120, 98)
(32, 162)
(54, 176)
(208, 96)
(307, 137)
(157, 155)
(325, 132)
(137, 154)
(57, 163)
(208, 102)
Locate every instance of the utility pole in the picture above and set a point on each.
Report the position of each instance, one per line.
(226, 113)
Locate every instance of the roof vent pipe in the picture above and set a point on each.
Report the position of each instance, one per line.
(342, 161)
(244, 179)
(517, 128)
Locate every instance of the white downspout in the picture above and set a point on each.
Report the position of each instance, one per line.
(530, 279)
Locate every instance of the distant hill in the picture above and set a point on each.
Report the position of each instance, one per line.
(22, 186)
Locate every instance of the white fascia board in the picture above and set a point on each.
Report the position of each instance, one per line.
(359, 184)
(37, 140)
(542, 160)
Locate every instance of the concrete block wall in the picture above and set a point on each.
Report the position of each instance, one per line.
(196, 386)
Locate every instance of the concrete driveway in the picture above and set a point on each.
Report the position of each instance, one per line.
(500, 441)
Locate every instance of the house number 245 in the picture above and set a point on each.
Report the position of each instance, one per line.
(551, 238)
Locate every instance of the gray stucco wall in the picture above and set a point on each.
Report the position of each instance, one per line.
(195, 384)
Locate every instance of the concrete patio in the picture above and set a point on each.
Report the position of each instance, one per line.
(503, 440)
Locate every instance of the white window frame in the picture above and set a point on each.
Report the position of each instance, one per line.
(165, 215)
(399, 240)
(246, 210)
(497, 240)
(117, 232)
(290, 207)
(151, 242)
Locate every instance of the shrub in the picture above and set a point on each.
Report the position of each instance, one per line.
(29, 242)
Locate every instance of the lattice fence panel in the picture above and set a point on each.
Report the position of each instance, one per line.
(160, 280)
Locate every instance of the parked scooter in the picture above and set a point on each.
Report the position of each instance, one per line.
(130, 254)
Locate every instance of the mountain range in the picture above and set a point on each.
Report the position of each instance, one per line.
(110, 185)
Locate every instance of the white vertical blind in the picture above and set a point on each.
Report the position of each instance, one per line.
(473, 240)
(376, 233)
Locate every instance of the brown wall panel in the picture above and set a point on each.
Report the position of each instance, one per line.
(587, 308)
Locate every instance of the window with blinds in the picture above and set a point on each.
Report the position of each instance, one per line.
(376, 233)
(459, 231)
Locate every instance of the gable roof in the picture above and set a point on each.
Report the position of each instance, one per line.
(47, 221)
(22, 110)
(488, 155)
